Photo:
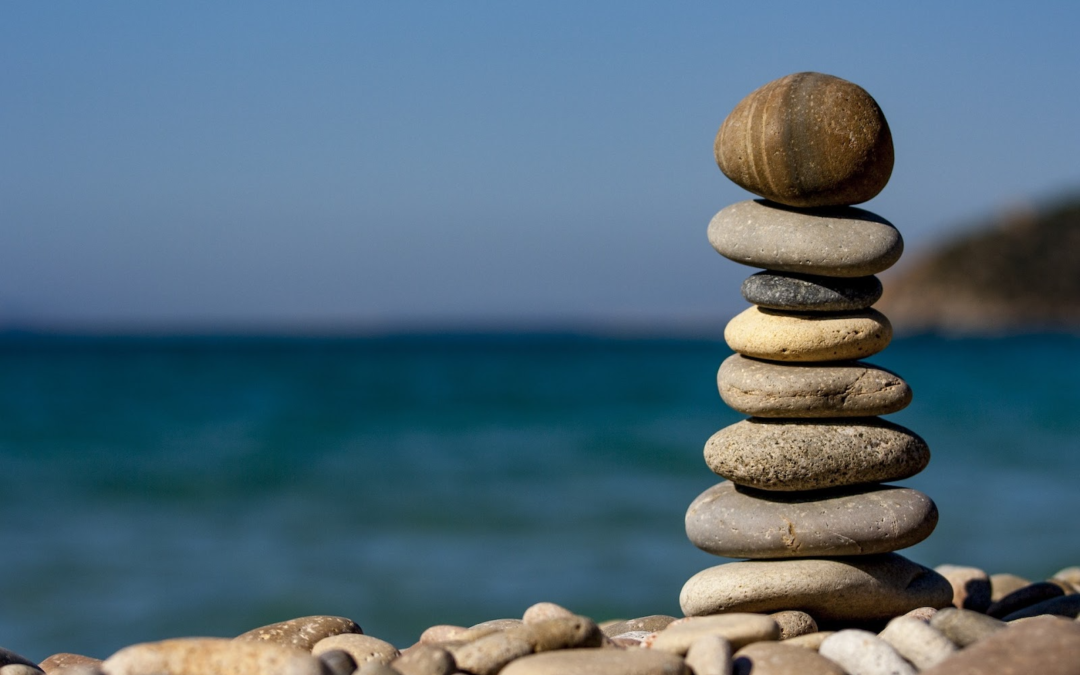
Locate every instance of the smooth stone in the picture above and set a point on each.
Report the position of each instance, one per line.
(542, 611)
(1066, 606)
(198, 656)
(497, 624)
(489, 654)
(1003, 584)
(859, 588)
(363, 648)
(836, 242)
(774, 658)
(8, 657)
(775, 336)
(442, 633)
(1043, 645)
(1024, 597)
(810, 390)
(923, 614)
(77, 669)
(794, 623)
(339, 662)
(971, 586)
(710, 655)
(811, 293)
(811, 641)
(918, 642)
(738, 522)
(807, 139)
(651, 624)
(861, 652)
(301, 633)
(598, 662)
(559, 633)
(1070, 575)
(793, 455)
(740, 629)
(20, 669)
(65, 659)
(425, 659)
(965, 627)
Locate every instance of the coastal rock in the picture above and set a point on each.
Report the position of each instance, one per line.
(794, 623)
(807, 139)
(845, 389)
(340, 662)
(837, 242)
(1024, 596)
(651, 623)
(811, 641)
(1065, 606)
(965, 627)
(64, 659)
(918, 642)
(8, 658)
(542, 611)
(857, 588)
(198, 656)
(739, 522)
(861, 652)
(301, 633)
(424, 660)
(773, 658)
(769, 334)
(923, 614)
(489, 654)
(598, 662)
(363, 649)
(1043, 645)
(739, 629)
(709, 655)
(794, 455)
(971, 586)
(1070, 575)
(812, 293)
(1003, 584)
(559, 633)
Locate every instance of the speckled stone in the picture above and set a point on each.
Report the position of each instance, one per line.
(739, 522)
(793, 455)
(918, 642)
(598, 662)
(198, 656)
(838, 242)
(1042, 646)
(971, 586)
(65, 659)
(738, 628)
(302, 633)
(778, 336)
(807, 139)
(831, 389)
(858, 588)
(363, 648)
(794, 623)
(1025, 596)
(861, 652)
(773, 658)
(811, 293)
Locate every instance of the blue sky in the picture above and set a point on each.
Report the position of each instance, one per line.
(372, 165)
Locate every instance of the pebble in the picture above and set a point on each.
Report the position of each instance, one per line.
(1065, 606)
(496, 624)
(338, 662)
(923, 614)
(793, 455)
(856, 588)
(651, 624)
(918, 642)
(837, 242)
(710, 655)
(812, 293)
(425, 660)
(302, 633)
(807, 140)
(861, 652)
(1003, 584)
(773, 658)
(1024, 596)
(738, 522)
(559, 633)
(811, 641)
(598, 662)
(8, 657)
(64, 659)
(739, 629)
(830, 389)
(489, 654)
(78, 669)
(965, 627)
(971, 586)
(542, 611)
(199, 656)
(362, 648)
(442, 633)
(1044, 645)
(1070, 575)
(20, 669)
(775, 336)
(794, 623)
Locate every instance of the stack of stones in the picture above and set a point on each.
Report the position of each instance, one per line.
(804, 498)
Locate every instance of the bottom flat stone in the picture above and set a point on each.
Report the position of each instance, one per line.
(834, 589)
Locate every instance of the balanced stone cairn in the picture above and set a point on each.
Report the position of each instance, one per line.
(804, 498)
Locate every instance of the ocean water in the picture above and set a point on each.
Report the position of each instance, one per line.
(157, 487)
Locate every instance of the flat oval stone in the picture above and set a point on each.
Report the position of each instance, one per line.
(807, 139)
(793, 455)
(810, 292)
(709, 655)
(198, 656)
(837, 242)
(775, 336)
(1043, 645)
(738, 522)
(918, 642)
(303, 632)
(859, 588)
(829, 389)
(773, 658)
(363, 649)
(861, 652)
(67, 659)
(1025, 596)
(598, 662)
(794, 623)
(739, 629)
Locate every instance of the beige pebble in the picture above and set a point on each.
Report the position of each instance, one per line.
(20, 669)
(1070, 575)
(63, 659)
(543, 611)
(918, 642)
(598, 662)
(363, 648)
(1042, 646)
(425, 660)
(442, 633)
(1003, 584)
(860, 652)
(923, 614)
(496, 624)
(199, 656)
(489, 654)
(776, 336)
(78, 669)
(811, 641)
(559, 633)
(651, 623)
(302, 633)
(965, 627)
(739, 629)
(710, 655)
(971, 586)
(779, 658)
(794, 623)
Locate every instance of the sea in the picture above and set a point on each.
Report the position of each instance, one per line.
(156, 487)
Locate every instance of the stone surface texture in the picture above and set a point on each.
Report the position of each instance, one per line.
(736, 522)
(965, 627)
(651, 623)
(737, 628)
(198, 656)
(812, 293)
(807, 139)
(971, 586)
(777, 336)
(1025, 596)
(709, 655)
(363, 649)
(64, 659)
(599, 662)
(425, 660)
(774, 658)
(838, 242)
(1065, 606)
(302, 633)
(861, 652)
(1041, 646)
(918, 642)
(794, 623)
(792, 455)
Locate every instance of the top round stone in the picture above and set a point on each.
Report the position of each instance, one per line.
(807, 140)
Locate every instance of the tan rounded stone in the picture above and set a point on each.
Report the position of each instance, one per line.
(965, 627)
(491, 653)
(64, 659)
(807, 139)
(971, 586)
(1043, 646)
(424, 659)
(710, 655)
(918, 642)
(1003, 584)
(810, 390)
(198, 656)
(301, 633)
(739, 629)
(861, 652)
(773, 658)
(857, 588)
(442, 633)
(811, 641)
(794, 455)
(634, 661)
(363, 648)
(775, 336)
(542, 611)
(651, 624)
(794, 623)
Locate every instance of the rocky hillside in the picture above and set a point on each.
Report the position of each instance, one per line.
(1020, 273)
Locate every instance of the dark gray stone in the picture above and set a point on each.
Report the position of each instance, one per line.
(808, 292)
(740, 522)
(1024, 597)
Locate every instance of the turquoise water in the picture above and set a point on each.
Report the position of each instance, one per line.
(165, 487)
